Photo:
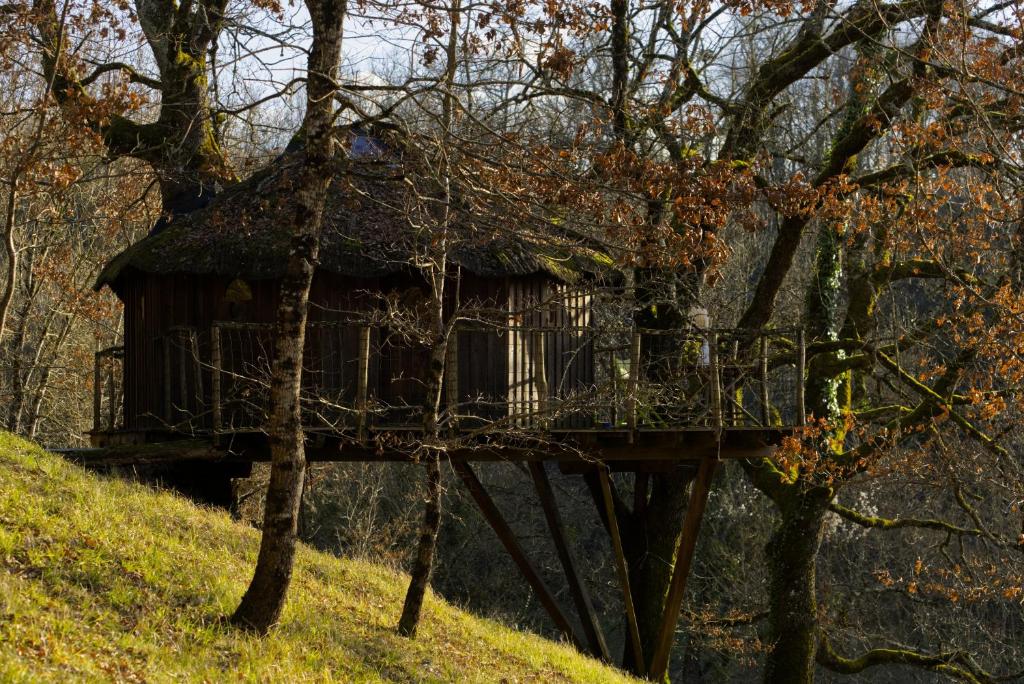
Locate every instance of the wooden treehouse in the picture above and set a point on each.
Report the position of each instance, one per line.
(540, 366)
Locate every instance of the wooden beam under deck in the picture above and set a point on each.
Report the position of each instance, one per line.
(580, 596)
(528, 570)
(574, 452)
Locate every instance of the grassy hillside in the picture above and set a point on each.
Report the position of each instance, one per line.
(104, 580)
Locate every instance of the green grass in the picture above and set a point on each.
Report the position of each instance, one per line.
(104, 580)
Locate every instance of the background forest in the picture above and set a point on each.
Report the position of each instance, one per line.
(849, 167)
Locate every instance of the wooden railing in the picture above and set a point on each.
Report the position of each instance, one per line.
(359, 378)
(107, 389)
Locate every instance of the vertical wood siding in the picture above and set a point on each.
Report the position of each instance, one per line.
(174, 313)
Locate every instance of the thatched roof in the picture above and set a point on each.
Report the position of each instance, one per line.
(377, 220)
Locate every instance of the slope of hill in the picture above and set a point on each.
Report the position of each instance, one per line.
(105, 580)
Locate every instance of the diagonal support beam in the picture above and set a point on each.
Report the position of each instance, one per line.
(681, 571)
(580, 596)
(494, 518)
(620, 563)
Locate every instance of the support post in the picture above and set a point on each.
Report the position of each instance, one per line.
(634, 382)
(183, 371)
(451, 378)
(97, 393)
(681, 571)
(167, 380)
(801, 369)
(540, 378)
(494, 518)
(363, 382)
(715, 380)
(215, 378)
(197, 369)
(112, 395)
(766, 417)
(620, 565)
(584, 606)
(613, 409)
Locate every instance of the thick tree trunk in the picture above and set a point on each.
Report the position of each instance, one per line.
(793, 603)
(650, 545)
(181, 144)
(262, 603)
(650, 537)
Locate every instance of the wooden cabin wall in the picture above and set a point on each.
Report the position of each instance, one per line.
(155, 304)
(570, 352)
(482, 353)
(495, 367)
(525, 299)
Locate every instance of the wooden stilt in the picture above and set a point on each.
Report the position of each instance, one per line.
(620, 566)
(684, 560)
(584, 606)
(494, 518)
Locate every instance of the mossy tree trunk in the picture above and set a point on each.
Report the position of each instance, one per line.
(802, 495)
(181, 145)
(262, 603)
(793, 602)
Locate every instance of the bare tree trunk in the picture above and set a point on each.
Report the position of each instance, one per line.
(424, 563)
(35, 410)
(11, 252)
(262, 603)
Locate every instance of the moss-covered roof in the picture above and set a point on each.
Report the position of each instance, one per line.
(378, 218)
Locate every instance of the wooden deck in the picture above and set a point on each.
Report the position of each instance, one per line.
(574, 451)
(561, 394)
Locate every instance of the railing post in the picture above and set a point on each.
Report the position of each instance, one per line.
(112, 402)
(801, 363)
(451, 376)
(197, 369)
(363, 381)
(167, 380)
(716, 382)
(215, 363)
(613, 376)
(97, 392)
(540, 377)
(634, 382)
(766, 417)
(183, 371)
